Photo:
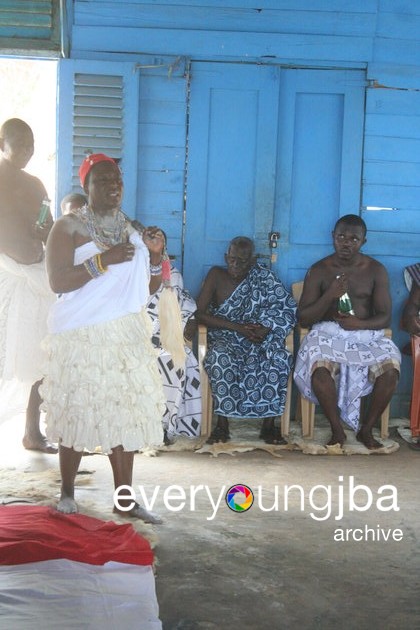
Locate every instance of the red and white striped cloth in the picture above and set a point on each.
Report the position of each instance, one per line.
(73, 571)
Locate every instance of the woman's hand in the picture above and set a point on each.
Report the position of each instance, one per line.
(120, 253)
(153, 234)
(154, 240)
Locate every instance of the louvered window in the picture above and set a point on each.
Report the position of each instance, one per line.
(30, 26)
(97, 117)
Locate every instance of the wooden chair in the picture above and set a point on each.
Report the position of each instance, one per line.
(207, 401)
(305, 406)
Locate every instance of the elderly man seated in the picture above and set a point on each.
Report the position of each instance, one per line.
(411, 323)
(249, 313)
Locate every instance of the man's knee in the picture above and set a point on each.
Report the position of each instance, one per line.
(388, 380)
(320, 375)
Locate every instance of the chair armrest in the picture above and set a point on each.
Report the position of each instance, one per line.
(205, 385)
(302, 332)
(202, 341)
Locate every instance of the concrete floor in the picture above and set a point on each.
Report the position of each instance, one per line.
(280, 569)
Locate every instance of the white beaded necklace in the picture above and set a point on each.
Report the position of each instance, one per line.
(103, 237)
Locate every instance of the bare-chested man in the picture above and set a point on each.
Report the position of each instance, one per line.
(25, 295)
(249, 314)
(346, 356)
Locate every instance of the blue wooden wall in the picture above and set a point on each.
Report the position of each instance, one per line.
(380, 38)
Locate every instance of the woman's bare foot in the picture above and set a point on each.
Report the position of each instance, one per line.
(142, 514)
(40, 443)
(67, 505)
(365, 437)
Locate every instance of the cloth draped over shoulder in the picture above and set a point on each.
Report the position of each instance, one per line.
(123, 289)
(249, 380)
(25, 298)
(355, 359)
(181, 387)
(412, 274)
(102, 386)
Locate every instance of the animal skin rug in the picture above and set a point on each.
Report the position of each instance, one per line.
(42, 488)
(404, 431)
(244, 437)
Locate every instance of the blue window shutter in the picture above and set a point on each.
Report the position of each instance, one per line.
(97, 116)
(30, 26)
(97, 113)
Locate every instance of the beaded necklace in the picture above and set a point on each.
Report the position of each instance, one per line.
(103, 237)
(156, 270)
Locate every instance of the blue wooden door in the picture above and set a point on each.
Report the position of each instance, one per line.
(270, 150)
(231, 163)
(321, 119)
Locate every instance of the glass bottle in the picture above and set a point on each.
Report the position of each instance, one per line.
(43, 211)
(345, 306)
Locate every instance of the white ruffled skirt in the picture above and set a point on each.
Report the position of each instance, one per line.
(102, 386)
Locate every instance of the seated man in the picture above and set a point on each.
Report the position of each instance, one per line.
(346, 355)
(249, 314)
(411, 323)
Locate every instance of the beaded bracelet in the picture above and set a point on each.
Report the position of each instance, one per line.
(94, 266)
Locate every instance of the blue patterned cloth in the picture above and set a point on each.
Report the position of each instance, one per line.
(249, 380)
(412, 274)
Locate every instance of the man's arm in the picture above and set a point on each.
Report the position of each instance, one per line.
(206, 298)
(314, 304)
(63, 275)
(410, 317)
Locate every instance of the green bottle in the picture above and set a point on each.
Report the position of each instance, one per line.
(344, 305)
(43, 211)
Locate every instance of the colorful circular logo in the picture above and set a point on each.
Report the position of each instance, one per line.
(239, 498)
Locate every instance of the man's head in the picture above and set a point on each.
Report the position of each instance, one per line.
(349, 235)
(71, 202)
(240, 257)
(16, 142)
(101, 180)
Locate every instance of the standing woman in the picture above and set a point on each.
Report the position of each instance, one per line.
(102, 385)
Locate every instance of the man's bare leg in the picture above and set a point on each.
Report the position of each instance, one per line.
(326, 393)
(69, 465)
(33, 440)
(381, 395)
(122, 469)
(270, 433)
(220, 432)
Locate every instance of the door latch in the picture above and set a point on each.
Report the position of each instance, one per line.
(273, 238)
